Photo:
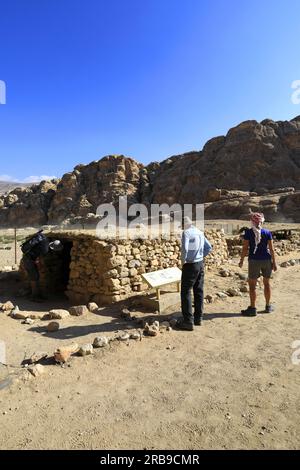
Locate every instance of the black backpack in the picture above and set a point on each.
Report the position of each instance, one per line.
(37, 238)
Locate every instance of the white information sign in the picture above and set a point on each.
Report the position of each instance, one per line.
(162, 277)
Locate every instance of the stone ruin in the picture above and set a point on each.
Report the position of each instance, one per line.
(90, 269)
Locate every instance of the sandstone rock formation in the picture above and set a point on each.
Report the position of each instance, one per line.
(255, 164)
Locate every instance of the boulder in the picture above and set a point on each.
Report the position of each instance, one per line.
(100, 342)
(7, 306)
(86, 350)
(37, 370)
(92, 307)
(58, 314)
(78, 310)
(52, 327)
(63, 353)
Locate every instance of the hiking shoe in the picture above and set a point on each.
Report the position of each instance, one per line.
(198, 322)
(249, 312)
(182, 325)
(269, 309)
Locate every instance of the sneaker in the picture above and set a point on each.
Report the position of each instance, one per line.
(269, 309)
(249, 312)
(182, 325)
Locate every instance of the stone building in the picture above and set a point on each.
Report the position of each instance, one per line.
(90, 269)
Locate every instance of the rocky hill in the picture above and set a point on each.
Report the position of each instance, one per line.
(255, 166)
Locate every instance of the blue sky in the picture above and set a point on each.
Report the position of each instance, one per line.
(148, 79)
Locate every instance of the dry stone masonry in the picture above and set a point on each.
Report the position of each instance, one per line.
(108, 271)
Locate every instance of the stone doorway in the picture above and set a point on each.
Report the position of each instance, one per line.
(56, 270)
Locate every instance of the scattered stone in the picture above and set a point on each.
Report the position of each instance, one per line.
(244, 288)
(225, 273)
(58, 314)
(165, 324)
(78, 310)
(100, 342)
(136, 335)
(292, 262)
(7, 306)
(233, 292)
(19, 315)
(151, 330)
(64, 353)
(209, 298)
(222, 295)
(86, 350)
(37, 370)
(52, 326)
(124, 337)
(93, 307)
(28, 321)
(126, 314)
(37, 356)
(285, 264)
(243, 277)
(34, 316)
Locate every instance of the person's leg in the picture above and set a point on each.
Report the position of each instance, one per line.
(267, 290)
(267, 272)
(252, 292)
(34, 277)
(189, 274)
(251, 310)
(253, 275)
(198, 296)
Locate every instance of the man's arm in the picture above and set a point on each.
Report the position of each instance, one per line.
(245, 251)
(184, 247)
(271, 248)
(206, 248)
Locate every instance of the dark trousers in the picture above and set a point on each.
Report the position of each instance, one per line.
(192, 278)
(31, 268)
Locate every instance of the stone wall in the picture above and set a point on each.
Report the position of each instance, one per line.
(109, 271)
(281, 247)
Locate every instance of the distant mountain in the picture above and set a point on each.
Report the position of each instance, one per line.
(256, 166)
(6, 186)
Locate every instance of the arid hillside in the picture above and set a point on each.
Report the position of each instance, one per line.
(255, 166)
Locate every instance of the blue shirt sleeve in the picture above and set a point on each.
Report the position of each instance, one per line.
(207, 247)
(270, 237)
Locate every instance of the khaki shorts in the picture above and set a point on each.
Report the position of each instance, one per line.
(258, 267)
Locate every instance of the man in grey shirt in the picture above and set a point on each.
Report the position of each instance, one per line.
(193, 251)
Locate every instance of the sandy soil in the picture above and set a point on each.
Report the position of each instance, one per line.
(228, 384)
